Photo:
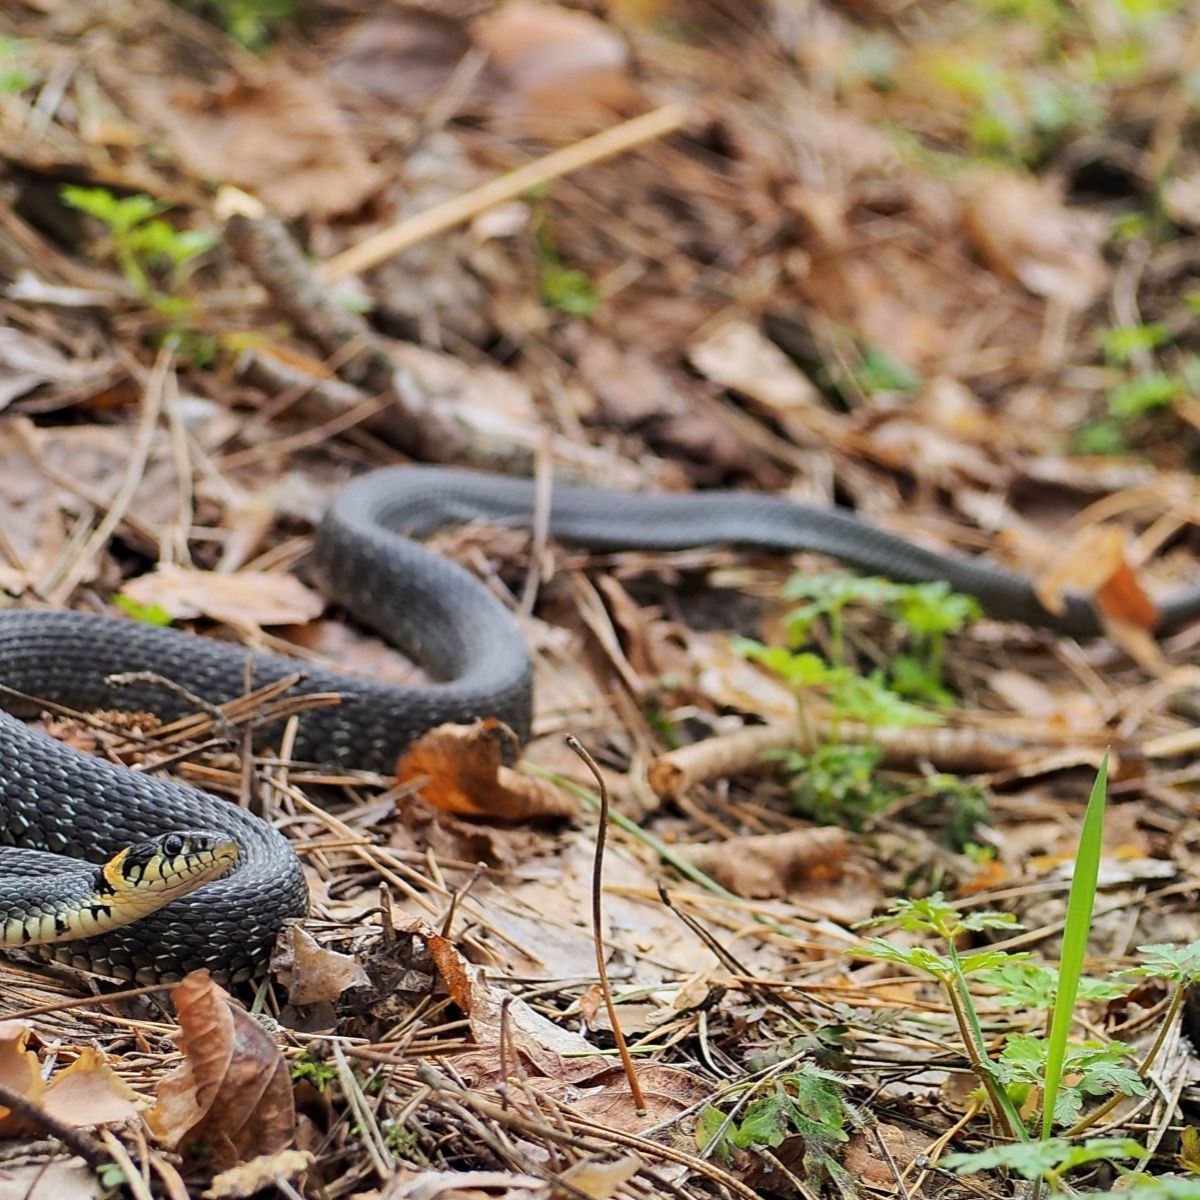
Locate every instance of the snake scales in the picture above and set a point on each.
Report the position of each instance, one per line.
(54, 798)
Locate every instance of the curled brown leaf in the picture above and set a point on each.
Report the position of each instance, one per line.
(464, 773)
(232, 1098)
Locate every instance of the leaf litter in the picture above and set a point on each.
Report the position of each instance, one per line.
(882, 257)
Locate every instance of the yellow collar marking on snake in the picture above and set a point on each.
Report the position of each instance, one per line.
(83, 900)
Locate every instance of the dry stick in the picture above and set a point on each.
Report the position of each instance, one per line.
(675, 772)
(635, 1087)
(390, 242)
(88, 1001)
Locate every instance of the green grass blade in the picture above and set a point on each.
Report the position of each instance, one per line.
(1075, 939)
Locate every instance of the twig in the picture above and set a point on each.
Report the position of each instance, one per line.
(407, 233)
(88, 1001)
(635, 1087)
(222, 726)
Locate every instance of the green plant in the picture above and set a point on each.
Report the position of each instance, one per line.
(15, 74)
(251, 23)
(929, 611)
(1144, 394)
(152, 255)
(564, 288)
(834, 783)
(1122, 343)
(878, 373)
(312, 1070)
(1080, 902)
(806, 1103)
(833, 778)
(1046, 1159)
(1028, 1065)
(149, 614)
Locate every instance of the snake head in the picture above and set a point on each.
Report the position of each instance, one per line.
(149, 874)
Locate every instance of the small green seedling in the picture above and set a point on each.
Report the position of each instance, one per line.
(1047, 1159)
(806, 1104)
(152, 255)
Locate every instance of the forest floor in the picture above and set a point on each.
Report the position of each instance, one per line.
(937, 263)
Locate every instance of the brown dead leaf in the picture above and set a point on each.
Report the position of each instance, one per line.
(453, 968)
(276, 134)
(601, 1178)
(1022, 229)
(558, 62)
(242, 598)
(86, 1094)
(20, 1072)
(71, 1179)
(356, 652)
(544, 1048)
(736, 355)
(313, 974)
(668, 1091)
(249, 1178)
(631, 387)
(730, 680)
(465, 774)
(407, 1184)
(815, 863)
(876, 1166)
(1094, 564)
(403, 57)
(232, 1098)
(90, 1093)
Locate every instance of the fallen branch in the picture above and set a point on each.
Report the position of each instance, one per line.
(674, 773)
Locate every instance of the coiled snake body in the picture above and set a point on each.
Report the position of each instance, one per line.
(54, 798)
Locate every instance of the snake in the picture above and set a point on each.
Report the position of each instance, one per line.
(83, 811)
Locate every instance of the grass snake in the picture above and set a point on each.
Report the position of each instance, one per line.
(57, 799)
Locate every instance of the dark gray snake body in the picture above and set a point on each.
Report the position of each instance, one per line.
(53, 798)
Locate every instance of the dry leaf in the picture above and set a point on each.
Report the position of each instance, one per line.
(557, 62)
(866, 1160)
(407, 1184)
(1094, 564)
(465, 774)
(89, 1093)
(275, 134)
(85, 1094)
(1022, 229)
(249, 1178)
(71, 1179)
(242, 598)
(736, 355)
(311, 973)
(776, 865)
(232, 1098)
(667, 1090)
(544, 1048)
(19, 1072)
(600, 1179)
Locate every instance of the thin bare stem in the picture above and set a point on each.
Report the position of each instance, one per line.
(635, 1087)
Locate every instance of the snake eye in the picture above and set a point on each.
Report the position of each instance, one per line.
(172, 845)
